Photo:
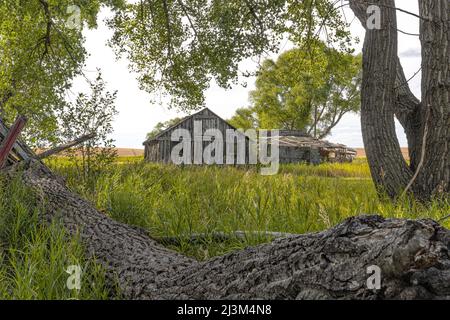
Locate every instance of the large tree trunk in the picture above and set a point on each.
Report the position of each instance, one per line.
(413, 257)
(389, 170)
(435, 108)
(385, 93)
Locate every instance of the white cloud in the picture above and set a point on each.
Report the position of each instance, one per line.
(411, 53)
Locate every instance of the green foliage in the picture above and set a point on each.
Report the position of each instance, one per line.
(40, 54)
(179, 46)
(244, 118)
(178, 201)
(91, 113)
(304, 89)
(34, 258)
(161, 126)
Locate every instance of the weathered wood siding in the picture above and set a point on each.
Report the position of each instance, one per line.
(293, 148)
(159, 149)
(292, 154)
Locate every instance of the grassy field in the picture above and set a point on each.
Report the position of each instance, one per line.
(171, 201)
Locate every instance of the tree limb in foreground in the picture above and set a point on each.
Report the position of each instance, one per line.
(413, 256)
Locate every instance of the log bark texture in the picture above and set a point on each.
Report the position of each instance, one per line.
(413, 256)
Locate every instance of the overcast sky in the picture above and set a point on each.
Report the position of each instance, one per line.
(137, 115)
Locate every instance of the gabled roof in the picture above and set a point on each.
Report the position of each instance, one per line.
(183, 120)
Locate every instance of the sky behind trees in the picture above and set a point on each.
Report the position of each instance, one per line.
(137, 115)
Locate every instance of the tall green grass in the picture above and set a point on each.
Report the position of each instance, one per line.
(178, 201)
(34, 258)
(357, 169)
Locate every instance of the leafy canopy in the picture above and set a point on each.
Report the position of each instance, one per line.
(40, 53)
(177, 47)
(180, 46)
(245, 118)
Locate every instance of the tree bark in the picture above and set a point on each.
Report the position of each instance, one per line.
(413, 256)
(389, 170)
(434, 179)
(407, 111)
(385, 93)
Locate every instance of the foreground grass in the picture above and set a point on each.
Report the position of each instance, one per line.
(178, 201)
(34, 258)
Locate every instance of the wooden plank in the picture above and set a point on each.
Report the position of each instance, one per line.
(204, 117)
(65, 146)
(10, 139)
(19, 148)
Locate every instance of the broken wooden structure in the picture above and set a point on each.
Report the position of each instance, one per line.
(12, 150)
(65, 146)
(297, 146)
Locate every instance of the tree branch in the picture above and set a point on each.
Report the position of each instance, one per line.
(253, 13)
(65, 146)
(422, 155)
(188, 16)
(47, 36)
(333, 124)
(168, 29)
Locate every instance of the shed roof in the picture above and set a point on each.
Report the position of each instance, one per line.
(308, 141)
(185, 119)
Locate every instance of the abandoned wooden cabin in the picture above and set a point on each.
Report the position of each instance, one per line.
(294, 146)
(159, 148)
(297, 146)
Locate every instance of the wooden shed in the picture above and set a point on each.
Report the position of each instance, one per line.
(159, 148)
(297, 146)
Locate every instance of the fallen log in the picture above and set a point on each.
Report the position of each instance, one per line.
(413, 256)
(198, 238)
